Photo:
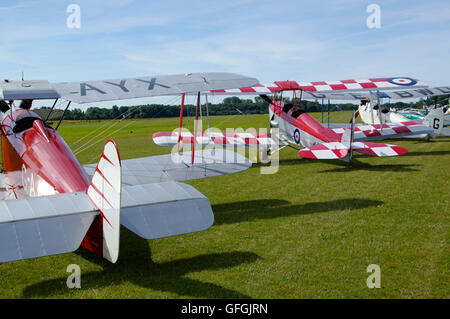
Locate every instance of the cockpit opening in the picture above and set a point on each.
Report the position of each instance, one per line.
(26, 123)
(287, 107)
(298, 112)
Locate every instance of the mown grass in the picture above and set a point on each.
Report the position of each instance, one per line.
(308, 231)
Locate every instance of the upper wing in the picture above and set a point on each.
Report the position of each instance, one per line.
(153, 169)
(407, 93)
(118, 89)
(318, 89)
(366, 132)
(128, 88)
(21, 90)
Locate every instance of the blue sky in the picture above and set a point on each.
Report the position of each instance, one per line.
(270, 40)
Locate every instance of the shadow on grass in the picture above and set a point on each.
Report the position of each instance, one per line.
(431, 153)
(357, 165)
(135, 266)
(361, 166)
(267, 208)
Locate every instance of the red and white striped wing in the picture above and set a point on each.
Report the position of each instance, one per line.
(211, 138)
(361, 85)
(328, 86)
(254, 90)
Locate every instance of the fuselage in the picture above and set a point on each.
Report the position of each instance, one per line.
(298, 127)
(36, 159)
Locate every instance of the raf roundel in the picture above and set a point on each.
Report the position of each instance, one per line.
(297, 136)
(402, 81)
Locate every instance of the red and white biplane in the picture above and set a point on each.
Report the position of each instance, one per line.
(291, 125)
(51, 204)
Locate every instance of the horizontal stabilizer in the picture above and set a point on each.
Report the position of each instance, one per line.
(337, 150)
(42, 226)
(165, 209)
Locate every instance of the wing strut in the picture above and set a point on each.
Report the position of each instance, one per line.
(207, 111)
(181, 122)
(62, 116)
(51, 110)
(194, 140)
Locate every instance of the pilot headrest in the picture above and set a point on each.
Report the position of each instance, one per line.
(4, 106)
(26, 104)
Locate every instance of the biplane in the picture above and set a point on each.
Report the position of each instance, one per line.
(51, 204)
(372, 111)
(292, 126)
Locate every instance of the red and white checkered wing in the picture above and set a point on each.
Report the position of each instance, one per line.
(333, 150)
(362, 85)
(378, 149)
(254, 90)
(336, 150)
(376, 131)
(387, 83)
(213, 138)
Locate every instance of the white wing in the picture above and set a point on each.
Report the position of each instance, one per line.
(161, 168)
(119, 89)
(126, 88)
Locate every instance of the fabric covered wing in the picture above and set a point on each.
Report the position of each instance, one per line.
(212, 138)
(328, 89)
(42, 226)
(165, 209)
(20, 90)
(153, 169)
(378, 149)
(367, 132)
(130, 88)
(406, 93)
(337, 150)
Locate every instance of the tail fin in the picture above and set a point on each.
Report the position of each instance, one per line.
(435, 120)
(105, 192)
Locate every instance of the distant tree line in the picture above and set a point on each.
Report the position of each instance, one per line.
(229, 106)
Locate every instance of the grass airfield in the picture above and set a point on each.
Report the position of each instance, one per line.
(308, 231)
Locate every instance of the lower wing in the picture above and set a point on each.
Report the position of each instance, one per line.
(337, 150)
(367, 132)
(213, 138)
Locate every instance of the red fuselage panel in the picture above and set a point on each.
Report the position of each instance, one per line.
(41, 150)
